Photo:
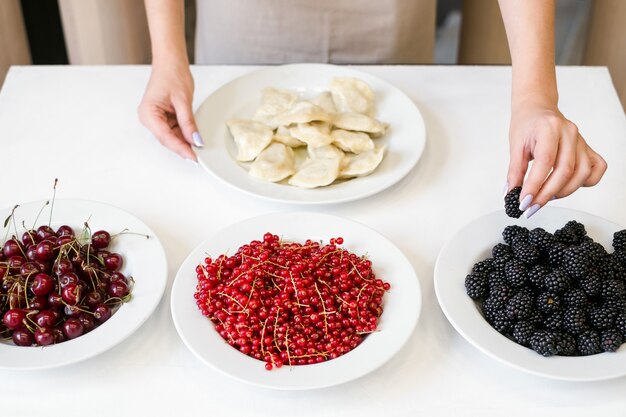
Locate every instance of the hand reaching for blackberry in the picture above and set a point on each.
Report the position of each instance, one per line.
(562, 160)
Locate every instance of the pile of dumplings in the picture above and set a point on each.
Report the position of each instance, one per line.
(312, 143)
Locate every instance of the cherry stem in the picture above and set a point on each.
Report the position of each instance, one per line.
(54, 194)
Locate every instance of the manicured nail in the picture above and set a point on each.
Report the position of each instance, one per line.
(197, 139)
(531, 210)
(523, 205)
(505, 189)
(195, 163)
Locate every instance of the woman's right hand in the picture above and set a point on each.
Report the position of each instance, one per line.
(166, 109)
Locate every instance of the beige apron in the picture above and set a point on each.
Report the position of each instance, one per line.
(337, 31)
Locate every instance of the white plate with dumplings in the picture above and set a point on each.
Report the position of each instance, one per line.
(392, 120)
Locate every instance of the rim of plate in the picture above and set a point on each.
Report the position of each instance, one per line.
(454, 263)
(216, 155)
(142, 257)
(200, 337)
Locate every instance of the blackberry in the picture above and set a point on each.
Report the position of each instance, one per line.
(590, 284)
(499, 321)
(537, 274)
(526, 253)
(557, 281)
(496, 278)
(565, 344)
(522, 331)
(548, 303)
(574, 321)
(514, 233)
(476, 286)
(595, 252)
(500, 250)
(511, 203)
(611, 340)
(541, 239)
(619, 240)
(498, 297)
(620, 323)
(613, 289)
(485, 266)
(572, 233)
(553, 321)
(500, 262)
(555, 254)
(608, 268)
(544, 343)
(589, 343)
(576, 261)
(620, 257)
(602, 318)
(617, 304)
(515, 273)
(520, 306)
(536, 319)
(575, 297)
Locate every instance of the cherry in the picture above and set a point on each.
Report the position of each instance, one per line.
(46, 318)
(45, 250)
(31, 253)
(88, 322)
(42, 284)
(63, 266)
(13, 318)
(100, 239)
(69, 278)
(29, 238)
(55, 300)
(65, 230)
(71, 311)
(118, 289)
(22, 337)
(44, 336)
(15, 264)
(102, 313)
(65, 240)
(113, 262)
(71, 294)
(39, 303)
(93, 298)
(118, 276)
(29, 268)
(44, 232)
(73, 327)
(58, 334)
(12, 248)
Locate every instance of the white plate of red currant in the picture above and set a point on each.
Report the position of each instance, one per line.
(76, 278)
(546, 295)
(295, 301)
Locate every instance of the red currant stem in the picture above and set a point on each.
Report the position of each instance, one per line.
(228, 296)
(312, 355)
(293, 283)
(263, 336)
(324, 309)
(371, 331)
(275, 328)
(287, 345)
(358, 314)
(54, 195)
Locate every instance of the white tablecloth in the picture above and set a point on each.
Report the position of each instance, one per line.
(79, 124)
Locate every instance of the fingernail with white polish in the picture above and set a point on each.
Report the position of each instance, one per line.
(197, 139)
(531, 210)
(195, 163)
(523, 205)
(505, 189)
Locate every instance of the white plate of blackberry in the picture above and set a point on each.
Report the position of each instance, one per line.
(545, 295)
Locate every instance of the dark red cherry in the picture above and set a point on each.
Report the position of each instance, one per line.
(118, 289)
(100, 239)
(113, 262)
(45, 250)
(42, 284)
(71, 294)
(13, 318)
(73, 327)
(44, 232)
(44, 336)
(29, 238)
(102, 313)
(88, 322)
(46, 318)
(65, 230)
(22, 337)
(12, 248)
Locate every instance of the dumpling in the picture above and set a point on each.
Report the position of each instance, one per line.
(325, 101)
(359, 122)
(314, 134)
(274, 101)
(302, 112)
(361, 164)
(251, 137)
(282, 135)
(355, 142)
(275, 163)
(352, 95)
(316, 172)
(327, 151)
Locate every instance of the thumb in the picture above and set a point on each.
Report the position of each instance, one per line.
(187, 122)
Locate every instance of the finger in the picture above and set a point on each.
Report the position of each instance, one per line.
(564, 167)
(187, 121)
(518, 165)
(168, 137)
(598, 168)
(544, 153)
(581, 172)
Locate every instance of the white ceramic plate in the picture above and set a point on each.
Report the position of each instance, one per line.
(401, 304)
(473, 243)
(241, 97)
(144, 260)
